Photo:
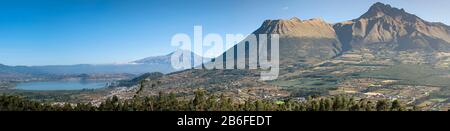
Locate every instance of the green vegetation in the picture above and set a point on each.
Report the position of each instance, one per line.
(205, 102)
(410, 74)
(137, 80)
(308, 86)
(72, 96)
(442, 96)
(424, 75)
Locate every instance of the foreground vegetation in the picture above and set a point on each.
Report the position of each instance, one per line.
(206, 102)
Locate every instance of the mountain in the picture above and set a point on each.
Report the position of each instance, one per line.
(17, 72)
(301, 41)
(166, 59)
(390, 28)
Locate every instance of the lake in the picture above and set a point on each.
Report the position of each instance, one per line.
(61, 85)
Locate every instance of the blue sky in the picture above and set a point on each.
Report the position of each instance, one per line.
(63, 32)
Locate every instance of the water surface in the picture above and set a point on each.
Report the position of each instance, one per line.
(61, 85)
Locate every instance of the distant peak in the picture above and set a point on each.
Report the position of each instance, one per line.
(380, 9)
(295, 19)
(379, 4)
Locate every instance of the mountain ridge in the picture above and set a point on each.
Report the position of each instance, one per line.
(384, 26)
(300, 41)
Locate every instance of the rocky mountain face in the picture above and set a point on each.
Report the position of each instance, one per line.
(386, 27)
(303, 40)
(300, 41)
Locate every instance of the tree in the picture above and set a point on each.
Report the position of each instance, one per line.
(397, 106)
(259, 105)
(338, 103)
(382, 105)
(328, 104)
(199, 101)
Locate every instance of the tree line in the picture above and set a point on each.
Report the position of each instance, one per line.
(207, 102)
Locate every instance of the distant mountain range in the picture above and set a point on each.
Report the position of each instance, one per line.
(151, 64)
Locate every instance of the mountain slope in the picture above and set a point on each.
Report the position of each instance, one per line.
(166, 59)
(301, 41)
(386, 27)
